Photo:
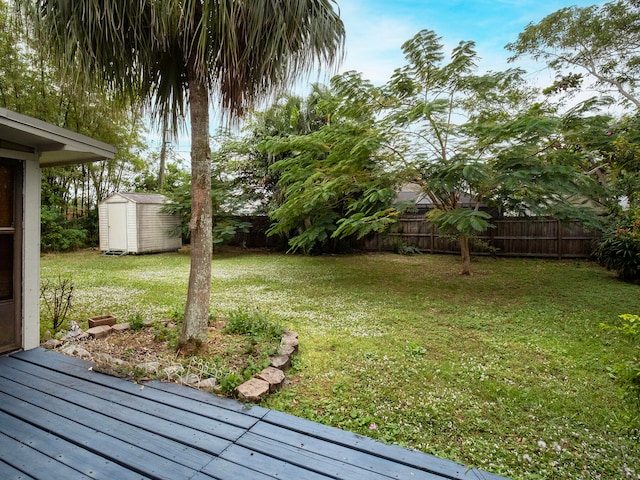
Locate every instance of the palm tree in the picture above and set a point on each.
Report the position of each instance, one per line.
(177, 56)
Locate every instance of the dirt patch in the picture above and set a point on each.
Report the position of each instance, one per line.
(150, 353)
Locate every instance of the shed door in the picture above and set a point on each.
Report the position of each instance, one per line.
(10, 256)
(117, 226)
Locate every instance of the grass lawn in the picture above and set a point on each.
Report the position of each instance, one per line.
(507, 370)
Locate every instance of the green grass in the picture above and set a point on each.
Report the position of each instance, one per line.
(507, 370)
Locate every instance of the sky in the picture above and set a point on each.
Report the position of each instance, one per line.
(376, 30)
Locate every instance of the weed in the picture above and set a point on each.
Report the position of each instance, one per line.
(229, 382)
(415, 350)
(255, 324)
(136, 322)
(57, 296)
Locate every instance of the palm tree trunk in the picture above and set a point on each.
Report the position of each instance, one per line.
(196, 315)
(466, 255)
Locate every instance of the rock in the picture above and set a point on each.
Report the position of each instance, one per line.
(290, 342)
(102, 320)
(253, 390)
(173, 371)
(104, 358)
(101, 331)
(274, 376)
(76, 351)
(52, 343)
(280, 361)
(287, 350)
(190, 379)
(149, 367)
(209, 384)
(121, 327)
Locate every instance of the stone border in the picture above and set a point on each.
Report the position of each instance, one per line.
(269, 380)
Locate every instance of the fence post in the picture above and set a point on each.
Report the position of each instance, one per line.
(560, 240)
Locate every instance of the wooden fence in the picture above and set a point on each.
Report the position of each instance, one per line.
(516, 237)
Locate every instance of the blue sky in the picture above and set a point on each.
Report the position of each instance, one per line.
(376, 29)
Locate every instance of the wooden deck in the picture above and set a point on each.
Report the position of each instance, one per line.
(60, 420)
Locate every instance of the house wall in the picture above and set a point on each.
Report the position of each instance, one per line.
(31, 255)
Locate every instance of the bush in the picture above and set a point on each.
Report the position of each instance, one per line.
(59, 234)
(619, 248)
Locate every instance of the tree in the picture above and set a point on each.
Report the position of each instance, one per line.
(175, 55)
(249, 163)
(30, 84)
(332, 180)
(472, 140)
(601, 40)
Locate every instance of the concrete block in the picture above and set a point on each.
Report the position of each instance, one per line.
(101, 331)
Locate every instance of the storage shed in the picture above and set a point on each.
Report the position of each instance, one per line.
(135, 223)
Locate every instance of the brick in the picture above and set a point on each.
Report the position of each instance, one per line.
(289, 343)
(281, 362)
(274, 376)
(121, 327)
(102, 320)
(253, 390)
(101, 331)
(287, 350)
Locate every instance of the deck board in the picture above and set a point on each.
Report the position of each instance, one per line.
(60, 419)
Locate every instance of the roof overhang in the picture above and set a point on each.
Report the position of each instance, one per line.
(54, 146)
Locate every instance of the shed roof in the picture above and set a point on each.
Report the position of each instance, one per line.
(54, 145)
(154, 198)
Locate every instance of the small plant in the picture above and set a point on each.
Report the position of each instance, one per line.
(57, 298)
(415, 350)
(402, 248)
(255, 324)
(136, 322)
(229, 382)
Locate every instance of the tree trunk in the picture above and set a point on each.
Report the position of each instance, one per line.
(196, 315)
(466, 255)
(163, 155)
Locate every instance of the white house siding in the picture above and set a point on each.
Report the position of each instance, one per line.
(31, 258)
(132, 229)
(103, 233)
(153, 229)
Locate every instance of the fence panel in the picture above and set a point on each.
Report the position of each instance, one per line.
(516, 237)
(522, 237)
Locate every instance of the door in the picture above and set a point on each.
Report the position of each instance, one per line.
(10, 255)
(117, 227)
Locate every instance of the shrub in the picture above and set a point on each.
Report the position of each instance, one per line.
(59, 234)
(57, 296)
(619, 248)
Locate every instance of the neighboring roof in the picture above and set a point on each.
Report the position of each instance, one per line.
(154, 198)
(411, 192)
(54, 145)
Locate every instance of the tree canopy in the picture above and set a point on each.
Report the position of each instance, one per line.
(601, 41)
